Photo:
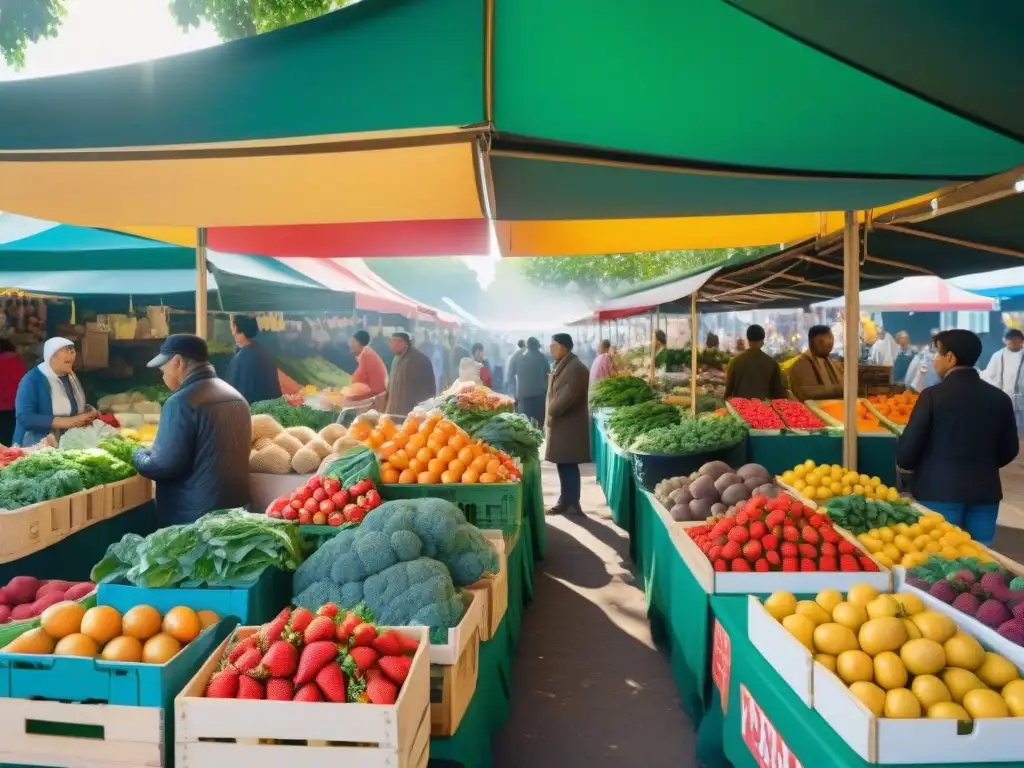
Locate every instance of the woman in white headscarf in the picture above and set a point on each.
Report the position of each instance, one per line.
(50, 397)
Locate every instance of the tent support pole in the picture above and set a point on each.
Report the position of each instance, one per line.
(201, 292)
(851, 337)
(654, 339)
(693, 353)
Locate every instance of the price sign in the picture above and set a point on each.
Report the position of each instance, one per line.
(760, 735)
(721, 662)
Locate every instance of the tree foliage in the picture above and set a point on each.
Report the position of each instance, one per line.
(25, 21)
(241, 18)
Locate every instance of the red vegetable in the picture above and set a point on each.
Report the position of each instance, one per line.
(797, 415)
(757, 414)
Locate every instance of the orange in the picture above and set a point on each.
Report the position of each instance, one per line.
(182, 624)
(416, 442)
(470, 476)
(387, 450)
(436, 442)
(411, 424)
(478, 449)
(417, 466)
(447, 426)
(493, 466)
(141, 622)
(446, 454)
(408, 477)
(400, 439)
(360, 431)
(63, 619)
(487, 477)
(479, 464)
(399, 460)
(457, 466)
(387, 427)
(389, 475)
(466, 455)
(122, 648)
(448, 477)
(207, 618)
(458, 442)
(76, 644)
(427, 478)
(376, 439)
(160, 649)
(424, 454)
(436, 466)
(102, 623)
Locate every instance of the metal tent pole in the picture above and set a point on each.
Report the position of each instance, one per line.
(693, 353)
(201, 291)
(851, 338)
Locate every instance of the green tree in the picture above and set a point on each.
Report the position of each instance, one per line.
(241, 18)
(25, 21)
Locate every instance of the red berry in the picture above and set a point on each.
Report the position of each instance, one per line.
(742, 518)
(790, 533)
(714, 552)
(731, 550)
(789, 549)
(818, 519)
(739, 534)
(848, 563)
(827, 563)
(806, 564)
(846, 548)
(829, 535)
(807, 550)
(775, 517)
(772, 557)
(755, 514)
(757, 529)
(739, 564)
(810, 534)
(867, 563)
(761, 566)
(752, 550)
(770, 542)
(790, 564)
(720, 565)
(827, 548)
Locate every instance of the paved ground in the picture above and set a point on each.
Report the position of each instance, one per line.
(590, 688)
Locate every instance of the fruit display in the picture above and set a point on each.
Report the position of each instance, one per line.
(629, 422)
(431, 449)
(831, 412)
(473, 406)
(900, 659)
(859, 515)
(895, 409)
(404, 562)
(617, 391)
(281, 450)
(328, 655)
(796, 415)
(830, 480)
(323, 501)
(712, 490)
(985, 591)
(912, 545)
(780, 534)
(758, 414)
(26, 597)
(286, 414)
(219, 548)
(141, 635)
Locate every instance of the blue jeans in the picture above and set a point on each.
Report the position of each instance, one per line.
(569, 480)
(979, 520)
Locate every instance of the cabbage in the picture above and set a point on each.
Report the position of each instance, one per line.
(85, 437)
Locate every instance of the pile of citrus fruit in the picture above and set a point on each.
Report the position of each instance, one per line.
(910, 545)
(431, 449)
(831, 480)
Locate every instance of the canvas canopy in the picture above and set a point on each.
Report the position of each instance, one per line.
(916, 294)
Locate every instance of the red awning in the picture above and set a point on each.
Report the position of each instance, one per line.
(337, 278)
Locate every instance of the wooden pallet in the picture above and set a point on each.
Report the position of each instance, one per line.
(45, 733)
(213, 733)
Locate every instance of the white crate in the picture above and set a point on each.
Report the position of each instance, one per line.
(493, 588)
(132, 736)
(787, 655)
(459, 637)
(213, 733)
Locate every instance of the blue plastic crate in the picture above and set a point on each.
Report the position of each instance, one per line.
(251, 602)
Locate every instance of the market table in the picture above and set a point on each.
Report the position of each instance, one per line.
(804, 732)
(876, 455)
(616, 480)
(533, 507)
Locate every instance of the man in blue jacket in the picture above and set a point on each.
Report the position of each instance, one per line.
(200, 458)
(253, 371)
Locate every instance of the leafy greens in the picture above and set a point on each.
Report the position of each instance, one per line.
(512, 433)
(628, 423)
(691, 435)
(617, 391)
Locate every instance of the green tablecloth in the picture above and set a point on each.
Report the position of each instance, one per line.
(616, 480)
(533, 507)
(877, 456)
(777, 453)
(72, 558)
(811, 740)
(597, 446)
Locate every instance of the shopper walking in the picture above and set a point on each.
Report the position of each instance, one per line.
(532, 382)
(568, 422)
(961, 433)
(485, 365)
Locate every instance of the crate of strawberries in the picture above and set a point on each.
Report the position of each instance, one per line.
(310, 689)
(322, 507)
(770, 544)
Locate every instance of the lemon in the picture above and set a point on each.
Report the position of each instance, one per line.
(872, 545)
(824, 493)
(875, 481)
(901, 528)
(809, 463)
(914, 531)
(892, 552)
(935, 534)
(799, 471)
(886, 534)
(836, 487)
(883, 560)
(788, 476)
(922, 541)
(846, 490)
(903, 543)
(799, 484)
(949, 553)
(893, 495)
(864, 480)
(932, 546)
(858, 489)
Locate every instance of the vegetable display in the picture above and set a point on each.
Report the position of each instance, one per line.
(984, 591)
(325, 501)
(830, 480)
(780, 534)
(626, 424)
(796, 415)
(218, 548)
(757, 414)
(292, 415)
(312, 370)
(85, 437)
(512, 433)
(472, 408)
(713, 489)
(701, 434)
(899, 659)
(678, 359)
(280, 450)
(26, 597)
(617, 391)
(323, 655)
(120, 447)
(404, 562)
(930, 535)
(858, 514)
(50, 474)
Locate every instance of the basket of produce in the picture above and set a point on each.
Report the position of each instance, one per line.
(616, 391)
(683, 448)
(713, 490)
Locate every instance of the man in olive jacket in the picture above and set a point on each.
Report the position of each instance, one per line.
(568, 422)
(753, 373)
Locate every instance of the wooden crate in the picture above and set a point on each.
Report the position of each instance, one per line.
(213, 733)
(452, 686)
(493, 590)
(46, 733)
(98, 502)
(29, 529)
(128, 494)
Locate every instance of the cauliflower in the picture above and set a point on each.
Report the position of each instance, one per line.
(404, 562)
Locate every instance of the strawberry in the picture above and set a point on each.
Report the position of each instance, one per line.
(249, 660)
(395, 667)
(807, 550)
(790, 533)
(776, 531)
(248, 688)
(738, 534)
(867, 563)
(279, 689)
(281, 659)
(770, 542)
(332, 683)
(380, 690)
(731, 551)
(739, 564)
(806, 564)
(752, 550)
(828, 548)
(827, 563)
(223, 685)
(720, 565)
(314, 657)
(309, 692)
(790, 564)
(818, 520)
(409, 644)
(271, 632)
(848, 563)
(301, 618)
(330, 610)
(742, 518)
(772, 557)
(846, 548)
(810, 534)
(757, 529)
(755, 513)
(829, 535)
(363, 657)
(243, 645)
(789, 549)
(388, 643)
(714, 553)
(320, 628)
(775, 517)
(350, 622)
(761, 566)
(363, 635)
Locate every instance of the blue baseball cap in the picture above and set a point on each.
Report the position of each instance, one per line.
(184, 344)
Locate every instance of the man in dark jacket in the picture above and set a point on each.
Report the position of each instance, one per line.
(568, 422)
(252, 371)
(200, 458)
(961, 432)
(753, 373)
(532, 371)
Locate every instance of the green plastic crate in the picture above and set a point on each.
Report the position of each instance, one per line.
(492, 506)
(317, 535)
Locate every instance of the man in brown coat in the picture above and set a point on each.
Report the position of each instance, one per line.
(411, 380)
(568, 422)
(815, 375)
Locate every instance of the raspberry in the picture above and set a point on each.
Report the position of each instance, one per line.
(790, 533)
(789, 549)
(731, 551)
(772, 557)
(808, 550)
(867, 563)
(752, 550)
(827, 563)
(806, 564)
(739, 534)
(848, 563)
(789, 565)
(810, 534)
(761, 566)
(757, 529)
(739, 564)
(770, 542)
(846, 548)
(720, 565)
